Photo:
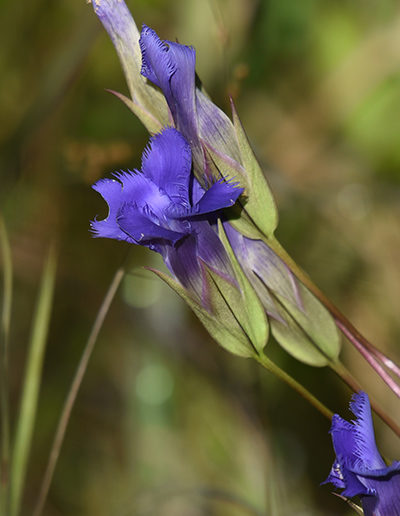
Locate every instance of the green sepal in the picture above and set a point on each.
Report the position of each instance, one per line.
(299, 321)
(152, 124)
(286, 331)
(249, 309)
(309, 333)
(219, 321)
(223, 167)
(260, 204)
(294, 341)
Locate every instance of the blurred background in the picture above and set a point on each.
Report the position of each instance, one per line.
(166, 422)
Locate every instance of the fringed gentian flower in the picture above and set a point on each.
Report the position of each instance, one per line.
(164, 208)
(359, 468)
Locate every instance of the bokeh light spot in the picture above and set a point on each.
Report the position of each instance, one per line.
(141, 291)
(154, 384)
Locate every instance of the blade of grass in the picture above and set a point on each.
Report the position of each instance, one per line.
(4, 342)
(73, 392)
(32, 380)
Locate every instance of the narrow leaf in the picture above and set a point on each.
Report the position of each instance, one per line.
(7, 280)
(32, 380)
(4, 338)
(74, 389)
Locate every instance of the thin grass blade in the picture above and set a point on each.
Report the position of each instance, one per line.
(31, 386)
(74, 389)
(4, 343)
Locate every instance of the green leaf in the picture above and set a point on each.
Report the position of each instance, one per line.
(260, 204)
(4, 352)
(31, 386)
(240, 220)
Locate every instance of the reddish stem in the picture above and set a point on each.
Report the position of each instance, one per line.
(372, 361)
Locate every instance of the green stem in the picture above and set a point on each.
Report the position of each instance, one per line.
(73, 391)
(306, 394)
(4, 344)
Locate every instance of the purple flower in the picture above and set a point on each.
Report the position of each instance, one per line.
(164, 208)
(359, 468)
(171, 67)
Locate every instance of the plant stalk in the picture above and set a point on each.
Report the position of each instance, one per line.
(294, 384)
(372, 361)
(73, 391)
(32, 380)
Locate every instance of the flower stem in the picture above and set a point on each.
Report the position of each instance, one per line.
(386, 361)
(294, 384)
(372, 361)
(73, 392)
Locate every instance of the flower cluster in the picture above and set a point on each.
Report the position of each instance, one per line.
(221, 156)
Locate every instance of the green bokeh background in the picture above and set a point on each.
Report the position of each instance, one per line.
(167, 423)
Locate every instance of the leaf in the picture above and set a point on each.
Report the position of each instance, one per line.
(4, 367)
(299, 321)
(294, 341)
(32, 381)
(7, 281)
